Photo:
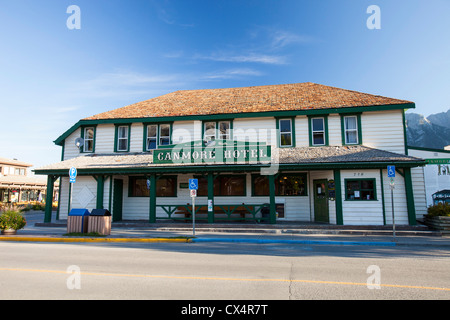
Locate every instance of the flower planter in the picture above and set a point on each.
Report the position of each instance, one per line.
(8, 232)
(439, 223)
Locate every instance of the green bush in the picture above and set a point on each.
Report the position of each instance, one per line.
(439, 210)
(12, 219)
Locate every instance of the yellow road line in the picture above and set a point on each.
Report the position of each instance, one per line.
(51, 239)
(224, 279)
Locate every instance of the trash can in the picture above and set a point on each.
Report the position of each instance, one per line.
(77, 221)
(100, 222)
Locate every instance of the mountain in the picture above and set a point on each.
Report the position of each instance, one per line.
(428, 132)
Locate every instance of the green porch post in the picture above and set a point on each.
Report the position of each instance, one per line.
(49, 198)
(211, 196)
(100, 191)
(273, 213)
(152, 213)
(410, 197)
(338, 190)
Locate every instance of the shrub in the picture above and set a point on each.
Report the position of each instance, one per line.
(439, 210)
(12, 219)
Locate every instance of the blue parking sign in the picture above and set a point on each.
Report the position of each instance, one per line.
(193, 184)
(72, 174)
(391, 171)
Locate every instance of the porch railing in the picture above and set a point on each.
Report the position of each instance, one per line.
(231, 212)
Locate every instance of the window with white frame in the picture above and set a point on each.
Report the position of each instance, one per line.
(216, 130)
(318, 131)
(285, 127)
(88, 136)
(164, 134)
(351, 129)
(122, 138)
(152, 137)
(157, 135)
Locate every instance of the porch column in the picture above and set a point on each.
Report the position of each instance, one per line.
(338, 190)
(410, 197)
(152, 213)
(273, 213)
(49, 198)
(211, 196)
(100, 191)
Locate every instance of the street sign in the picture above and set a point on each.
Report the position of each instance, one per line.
(193, 193)
(391, 171)
(193, 184)
(72, 174)
(148, 184)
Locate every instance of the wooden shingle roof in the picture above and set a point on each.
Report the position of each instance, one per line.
(284, 97)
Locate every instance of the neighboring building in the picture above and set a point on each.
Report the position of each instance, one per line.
(436, 173)
(308, 152)
(16, 185)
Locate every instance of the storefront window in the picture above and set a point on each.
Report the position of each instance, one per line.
(285, 185)
(165, 187)
(360, 189)
(223, 186)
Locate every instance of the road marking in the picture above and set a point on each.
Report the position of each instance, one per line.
(224, 279)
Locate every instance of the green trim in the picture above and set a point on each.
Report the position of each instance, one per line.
(63, 149)
(338, 191)
(360, 189)
(290, 113)
(110, 193)
(325, 121)
(359, 128)
(100, 191)
(292, 119)
(382, 196)
(116, 137)
(49, 198)
(59, 198)
(410, 197)
(211, 196)
(273, 212)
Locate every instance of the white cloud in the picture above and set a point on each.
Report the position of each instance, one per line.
(246, 58)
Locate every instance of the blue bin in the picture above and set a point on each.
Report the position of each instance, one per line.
(77, 221)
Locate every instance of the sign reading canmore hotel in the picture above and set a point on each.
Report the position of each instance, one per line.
(226, 151)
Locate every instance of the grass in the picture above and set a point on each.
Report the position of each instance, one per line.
(78, 234)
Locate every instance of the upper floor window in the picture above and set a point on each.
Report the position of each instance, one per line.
(286, 136)
(351, 129)
(318, 131)
(88, 134)
(216, 130)
(157, 135)
(122, 138)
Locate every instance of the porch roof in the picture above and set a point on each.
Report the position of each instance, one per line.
(301, 158)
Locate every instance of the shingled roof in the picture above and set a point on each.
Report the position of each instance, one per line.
(284, 97)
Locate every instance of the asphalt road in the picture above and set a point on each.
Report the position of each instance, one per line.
(221, 271)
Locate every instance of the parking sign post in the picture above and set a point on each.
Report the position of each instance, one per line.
(193, 186)
(391, 176)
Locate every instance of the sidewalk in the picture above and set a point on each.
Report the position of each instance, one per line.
(289, 233)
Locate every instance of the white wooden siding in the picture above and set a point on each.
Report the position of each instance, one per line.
(383, 130)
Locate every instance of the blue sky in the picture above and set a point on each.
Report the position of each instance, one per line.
(133, 50)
